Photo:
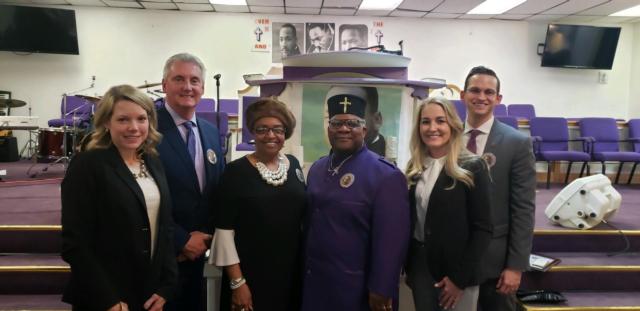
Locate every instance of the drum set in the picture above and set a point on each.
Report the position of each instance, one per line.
(56, 145)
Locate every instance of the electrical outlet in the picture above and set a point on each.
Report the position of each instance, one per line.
(603, 77)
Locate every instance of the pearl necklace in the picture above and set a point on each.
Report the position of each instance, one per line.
(334, 171)
(274, 178)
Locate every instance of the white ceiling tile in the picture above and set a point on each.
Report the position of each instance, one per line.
(310, 11)
(122, 4)
(154, 1)
(193, 1)
(614, 19)
(87, 2)
(578, 19)
(610, 7)
(407, 13)
(545, 17)
(419, 5)
(159, 5)
(337, 11)
(457, 6)
(340, 3)
(50, 2)
(267, 9)
(535, 6)
(373, 12)
(265, 2)
(476, 16)
(198, 7)
(574, 6)
(442, 15)
(303, 4)
(231, 8)
(514, 17)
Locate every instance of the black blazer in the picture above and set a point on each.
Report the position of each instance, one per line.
(105, 234)
(457, 225)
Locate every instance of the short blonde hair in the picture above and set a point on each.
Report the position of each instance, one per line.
(101, 139)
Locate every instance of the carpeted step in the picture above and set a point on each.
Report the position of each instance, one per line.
(32, 274)
(588, 271)
(596, 240)
(33, 302)
(30, 239)
(591, 301)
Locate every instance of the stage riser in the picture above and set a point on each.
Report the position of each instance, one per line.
(33, 283)
(30, 241)
(584, 243)
(587, 280)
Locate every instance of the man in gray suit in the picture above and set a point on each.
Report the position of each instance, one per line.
(512, 168)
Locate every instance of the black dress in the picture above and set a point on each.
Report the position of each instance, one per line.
(267, 222)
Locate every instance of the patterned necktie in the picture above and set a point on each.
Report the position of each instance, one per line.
(471, 144)
(191, 140)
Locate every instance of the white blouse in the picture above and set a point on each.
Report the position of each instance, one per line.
(433, 167)
(152, 199)
(223, 248)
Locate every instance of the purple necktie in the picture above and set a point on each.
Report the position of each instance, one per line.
(191, 140)
(471, 144)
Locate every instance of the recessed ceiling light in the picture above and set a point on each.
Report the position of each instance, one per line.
(495, 6)
(379, 4)
(229, 2)
(632, 11)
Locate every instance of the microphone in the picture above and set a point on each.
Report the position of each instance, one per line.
(217, 76)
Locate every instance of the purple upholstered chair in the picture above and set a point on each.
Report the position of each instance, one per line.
(603, 133)
(508, 120)
(247, 143)
(223, 128)
(522, 111)
(206, 105)
(500, 110)
(230, 106)
(78, 113)
(634, 136)
(551, 143)
(461, 109)
(158, 103)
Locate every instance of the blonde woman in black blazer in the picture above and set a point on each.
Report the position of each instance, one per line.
(116, 218)
(451, 217)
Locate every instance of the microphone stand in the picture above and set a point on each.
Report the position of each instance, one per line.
(217, 77)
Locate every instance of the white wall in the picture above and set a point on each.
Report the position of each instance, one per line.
(130, 46)
(634, 81)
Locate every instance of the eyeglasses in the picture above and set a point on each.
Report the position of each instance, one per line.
(350, 123)
(263, 130)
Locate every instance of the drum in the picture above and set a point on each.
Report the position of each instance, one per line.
(50, 143)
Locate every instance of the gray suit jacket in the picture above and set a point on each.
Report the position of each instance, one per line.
(513, 188)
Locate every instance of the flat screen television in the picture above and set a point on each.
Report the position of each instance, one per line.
(38, 30)
(576, 46)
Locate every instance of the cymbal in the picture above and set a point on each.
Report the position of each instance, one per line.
(11, 103)
(146, 85)
(89, 98)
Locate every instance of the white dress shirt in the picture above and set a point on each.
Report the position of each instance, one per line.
(481, 139)
(199, 165)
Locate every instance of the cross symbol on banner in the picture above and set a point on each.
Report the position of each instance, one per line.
(258, 32)
(379, 36)
(345, 103)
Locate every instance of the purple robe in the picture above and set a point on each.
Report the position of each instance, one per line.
(357, 235)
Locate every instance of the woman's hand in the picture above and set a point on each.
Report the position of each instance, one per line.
(450, 293)
(120, 306)
(241, 299)
(155, 303)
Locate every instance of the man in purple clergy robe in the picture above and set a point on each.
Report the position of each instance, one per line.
(358, 224)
